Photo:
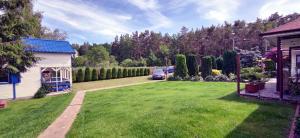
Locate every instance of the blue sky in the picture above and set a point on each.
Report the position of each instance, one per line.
(99, 21)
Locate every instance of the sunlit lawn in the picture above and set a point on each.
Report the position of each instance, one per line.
(28, 118)
(179, 109)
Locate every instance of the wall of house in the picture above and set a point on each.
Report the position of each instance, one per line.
(31, 80)
(286, 44)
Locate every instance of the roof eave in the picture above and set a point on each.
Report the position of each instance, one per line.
(280, 33)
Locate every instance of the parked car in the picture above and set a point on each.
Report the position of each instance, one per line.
(158, 74)
(170, 69)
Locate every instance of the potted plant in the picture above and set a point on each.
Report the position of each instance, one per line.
(254, 76)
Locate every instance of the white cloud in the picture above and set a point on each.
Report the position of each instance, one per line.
(283, 7)
(151, 9)
(84, 17)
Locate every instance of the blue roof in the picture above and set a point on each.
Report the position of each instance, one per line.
(48, 46)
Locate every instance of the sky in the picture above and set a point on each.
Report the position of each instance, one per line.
(99, 21)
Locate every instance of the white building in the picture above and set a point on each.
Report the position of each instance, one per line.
(54, 69)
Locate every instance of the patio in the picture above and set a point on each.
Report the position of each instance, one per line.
(270, 92)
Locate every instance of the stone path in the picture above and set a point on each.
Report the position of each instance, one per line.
(60, 127)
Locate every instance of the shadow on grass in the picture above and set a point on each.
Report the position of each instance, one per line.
(270, 119)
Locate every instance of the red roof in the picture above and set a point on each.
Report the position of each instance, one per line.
(288, 27)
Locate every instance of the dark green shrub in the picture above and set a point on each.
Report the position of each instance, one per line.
(229, 64)
(94, 75)
(142, 71)
(145, 71)
(213, 62)
(270, 65)
(80, 76)
(120, 73)
(133, 72)
(181, 67)
(137, 72)
(108, 74)
(148, 71)
(206, 66)
(219, 62)
(125, 73)
(192, 65)
(74, 75)
(87, 74)
(129, 72)
(114, 73)
(102, 74)
(42, 92)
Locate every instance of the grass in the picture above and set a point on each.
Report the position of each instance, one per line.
(109, 83)
(179, 109)
(28, 118)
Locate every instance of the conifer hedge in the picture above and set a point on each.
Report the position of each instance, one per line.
(206, 66)
(94, 75)
(87, 74)
(80, 76)
(114, 73)
(102, 74)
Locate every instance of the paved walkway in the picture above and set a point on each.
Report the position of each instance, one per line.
(60, 127)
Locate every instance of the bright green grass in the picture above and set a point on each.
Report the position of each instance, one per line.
(28, 118)
(179, 109)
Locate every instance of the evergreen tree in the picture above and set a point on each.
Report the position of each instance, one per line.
(102, 74)
(229, 58)
(192, 65)
(87, 74)
(219, 62)
(114, 73)
(80, 76)
(94, 75)
(120, 73)
(206, 67)
(181, 67)
(108, 74)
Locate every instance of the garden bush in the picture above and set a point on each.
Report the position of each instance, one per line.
(251, 74)
(142, 71)
(80, 76)
(120, 73)
(133, 72)
(102, 74)
(229, 62)
(209, 78)
(87, 74)
(145, 71)
(108, 74)
(42, 92)
(206, 66)
(192, 65)
(213, 62)
(138, 72)
(215, 72)
(221, 77)
(74, 75)
(270, 65)
(129, 73)
(181, 67)
(219, 62)
(94, 75)
(125, 73)
(148, 71)
(114, 73)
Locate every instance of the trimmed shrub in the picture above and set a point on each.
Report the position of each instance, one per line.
(148, 71)
(192, 65)
(219, 62)
(114, 73)
(125, 73)
(213, 62)
(42, 92)
(108, 74)
(215, 72)
(120, 73)
(94, 75)
(80, 76)
(129, 72)
(133, 72)
(87, 74)
(270, 65)
(74, 75)
(102, 74)
(229, 64)
(142, 71)
(206, 66)
(138, 72)
(145, 71)
(181, 67)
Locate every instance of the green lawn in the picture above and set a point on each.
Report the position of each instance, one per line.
(179, 109)
(28, 118)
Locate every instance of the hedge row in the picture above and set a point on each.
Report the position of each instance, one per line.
(89, 74)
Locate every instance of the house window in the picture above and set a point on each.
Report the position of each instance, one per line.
(4, 77)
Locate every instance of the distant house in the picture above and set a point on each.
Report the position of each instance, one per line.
(54, 69)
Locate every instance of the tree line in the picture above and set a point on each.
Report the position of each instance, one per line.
(157, 49)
